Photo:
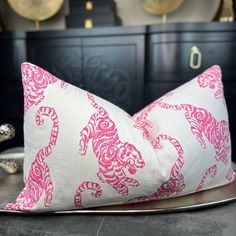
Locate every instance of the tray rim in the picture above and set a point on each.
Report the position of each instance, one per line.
(153, 210)
(157, 210)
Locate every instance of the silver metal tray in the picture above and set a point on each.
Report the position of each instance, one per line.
(10, 186)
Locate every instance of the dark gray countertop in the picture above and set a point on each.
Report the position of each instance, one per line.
(220, 220)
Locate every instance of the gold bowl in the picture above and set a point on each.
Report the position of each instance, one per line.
(160, 7)
(37, 10)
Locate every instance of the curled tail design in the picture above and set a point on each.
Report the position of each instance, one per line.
(49, 112)
(175, 184)
(85, 186)
(156, 144)
(141, 118)
(210, 173)
(100, 109)
(180, 107)
(39, 180)
(142, 121)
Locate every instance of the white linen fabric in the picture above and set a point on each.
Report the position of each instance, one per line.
(82, 151)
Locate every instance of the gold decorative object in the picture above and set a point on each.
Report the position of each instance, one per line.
(160, 7)
(36, 10)
(10, 166)
(227, 11)
(7, 132)
(195, 60)
(88, 24)
(89, 5)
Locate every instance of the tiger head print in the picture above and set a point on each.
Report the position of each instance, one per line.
(130, 158)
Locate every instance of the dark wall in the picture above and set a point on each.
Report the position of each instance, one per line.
(12, 54)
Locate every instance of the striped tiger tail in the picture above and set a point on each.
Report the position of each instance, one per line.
(51, 113)
(87, 185)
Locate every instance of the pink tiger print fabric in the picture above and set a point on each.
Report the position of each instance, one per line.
(35, 81)
(142, 121)
(175, 184)
(211, 78)
(210, 173)
(230, 175)
(85, 186)
(116, 164)
(114, 156)
(39, 181)
(203, 123)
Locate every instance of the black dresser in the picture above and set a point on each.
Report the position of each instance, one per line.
(130, 66)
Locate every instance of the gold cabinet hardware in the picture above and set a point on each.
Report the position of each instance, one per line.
(195, 60)
(88, 23)
(89, 5)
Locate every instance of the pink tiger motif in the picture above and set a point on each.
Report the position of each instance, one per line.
(113, 155)
(203, 123)
(175, 183)
(230, 175)
(142, 122)
(86, 185)
(141, 118)
(39, 180)
(210, 173)
(211, 78)
(35, 81)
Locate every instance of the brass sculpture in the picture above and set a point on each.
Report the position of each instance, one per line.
(7, 132)
(160, 7)
(227, 11)
(36, 10)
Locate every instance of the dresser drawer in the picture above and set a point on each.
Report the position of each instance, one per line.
(92, 6)
(181, 53)
(90, 20)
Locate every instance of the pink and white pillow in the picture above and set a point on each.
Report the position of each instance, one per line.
(82, 151)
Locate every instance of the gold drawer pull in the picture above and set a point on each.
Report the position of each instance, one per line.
(195, 60)
(88, 24)
(89, 5)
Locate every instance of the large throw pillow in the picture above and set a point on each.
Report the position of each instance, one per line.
(82, 151)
